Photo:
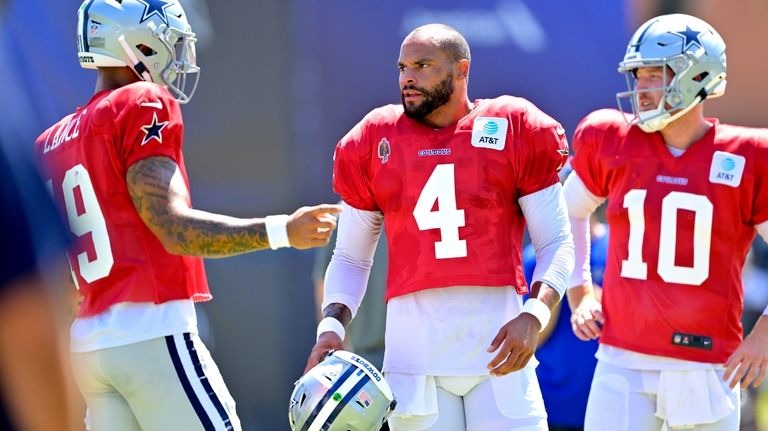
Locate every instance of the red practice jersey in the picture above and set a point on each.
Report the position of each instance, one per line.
(449, 196)
(115, 257)
(680, 231)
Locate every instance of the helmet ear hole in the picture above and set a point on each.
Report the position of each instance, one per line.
(144, 49)
(700, 77)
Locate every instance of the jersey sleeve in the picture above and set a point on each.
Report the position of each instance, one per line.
(546, 151)
(351, 169)
(586, 161)
(760, 206)
(150, 124)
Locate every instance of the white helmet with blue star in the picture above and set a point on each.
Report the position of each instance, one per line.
(342, 393)
(152, 37)
(692, 49)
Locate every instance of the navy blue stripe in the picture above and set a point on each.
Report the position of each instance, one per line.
(86, 47)
(207, 384)
(328, 394)
(201, 413)
(642, 35)
(345, 401)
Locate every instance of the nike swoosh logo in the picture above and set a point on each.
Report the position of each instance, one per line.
(156, 105)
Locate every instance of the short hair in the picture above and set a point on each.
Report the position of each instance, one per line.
(447, 38)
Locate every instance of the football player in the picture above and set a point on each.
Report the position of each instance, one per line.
(116, 167)
(455, 180)
(686, 195)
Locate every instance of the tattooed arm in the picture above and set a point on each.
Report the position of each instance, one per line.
(338, 311)
(161, 198)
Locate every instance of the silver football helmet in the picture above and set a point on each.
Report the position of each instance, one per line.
(342, 393)
(152, 37)
(687, 46)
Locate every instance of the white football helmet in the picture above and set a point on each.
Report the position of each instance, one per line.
(152, 37)
(688, 46)
(342, 393)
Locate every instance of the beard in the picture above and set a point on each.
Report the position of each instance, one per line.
(433, 98)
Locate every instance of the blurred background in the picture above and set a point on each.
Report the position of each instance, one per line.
(282, 81)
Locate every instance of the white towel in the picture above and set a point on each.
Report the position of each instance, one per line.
(687, 398)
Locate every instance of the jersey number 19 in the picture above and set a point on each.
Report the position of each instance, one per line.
(89, 220)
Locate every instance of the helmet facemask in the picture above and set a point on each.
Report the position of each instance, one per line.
(671, 104)
(182, 73)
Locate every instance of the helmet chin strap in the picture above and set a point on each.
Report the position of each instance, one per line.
(137, 66)
(656, 124)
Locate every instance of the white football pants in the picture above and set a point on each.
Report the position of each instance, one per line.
(623, 399)
(477, 403)
(166, 383)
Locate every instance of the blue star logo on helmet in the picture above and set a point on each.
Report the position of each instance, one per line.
(690, 37)
(155, 7)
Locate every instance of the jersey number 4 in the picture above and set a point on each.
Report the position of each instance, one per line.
(441, 188)
(635, 267)
(85, 220)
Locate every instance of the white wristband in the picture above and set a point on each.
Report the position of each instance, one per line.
(331, 324)
(277, 231)
(539, 310)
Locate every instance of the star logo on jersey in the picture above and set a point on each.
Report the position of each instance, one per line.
(155, 7)
(154, 130)
(690, 37)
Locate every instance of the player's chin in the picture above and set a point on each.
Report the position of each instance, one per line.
(413, 112)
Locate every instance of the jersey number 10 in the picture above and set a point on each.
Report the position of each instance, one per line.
(635, 267)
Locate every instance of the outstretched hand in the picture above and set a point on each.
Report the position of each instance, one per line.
(312, 226)
(516, 342)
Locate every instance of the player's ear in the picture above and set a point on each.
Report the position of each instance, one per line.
(462, 68)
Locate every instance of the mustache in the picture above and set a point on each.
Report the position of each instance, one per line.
(415, 88)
